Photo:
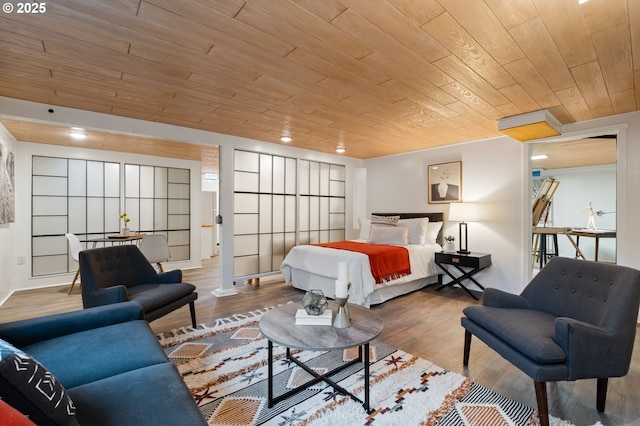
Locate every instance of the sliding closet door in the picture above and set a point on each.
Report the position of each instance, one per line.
(157, 199)
(81, 197)
(278, 201)
(322, 202)
(264, 211)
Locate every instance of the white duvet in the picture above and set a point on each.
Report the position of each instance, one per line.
(323, 261)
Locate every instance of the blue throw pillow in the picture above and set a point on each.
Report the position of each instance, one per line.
(29, 388)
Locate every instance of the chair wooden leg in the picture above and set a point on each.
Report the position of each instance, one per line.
(75, 277)
(160, 267)
(467, 348)
(192, 310)
(543, 408)
(601, 398)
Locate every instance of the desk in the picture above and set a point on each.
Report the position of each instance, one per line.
(114, 238)
(555, 231)
(279, 326)
(475, 261)
(592, 233)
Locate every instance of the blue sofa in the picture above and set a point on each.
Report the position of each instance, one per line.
(108, 362)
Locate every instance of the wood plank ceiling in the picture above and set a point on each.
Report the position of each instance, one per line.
(378, 76)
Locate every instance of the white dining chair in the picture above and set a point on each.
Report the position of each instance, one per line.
(75, 247)
(156, 249)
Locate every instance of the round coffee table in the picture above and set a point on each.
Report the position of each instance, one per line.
(279, 326)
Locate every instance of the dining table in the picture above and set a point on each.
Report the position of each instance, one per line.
(115, 238)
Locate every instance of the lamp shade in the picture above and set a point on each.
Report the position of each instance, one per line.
(463, 212)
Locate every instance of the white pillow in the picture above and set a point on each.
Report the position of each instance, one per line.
(433, 228)
(395, 236)
(417, 229)
(365, 229)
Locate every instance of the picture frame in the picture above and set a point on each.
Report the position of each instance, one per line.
(7, 186)
(445, 182)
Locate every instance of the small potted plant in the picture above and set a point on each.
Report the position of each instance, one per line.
(314, 302)
(449, 244)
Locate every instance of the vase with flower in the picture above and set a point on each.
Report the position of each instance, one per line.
(125, 220)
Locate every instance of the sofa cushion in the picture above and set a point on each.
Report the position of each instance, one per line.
(154, 395)
(529, 332)
(91, 355)
(28, 387)
(154, 296)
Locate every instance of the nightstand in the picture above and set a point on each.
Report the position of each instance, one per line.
(473, 262)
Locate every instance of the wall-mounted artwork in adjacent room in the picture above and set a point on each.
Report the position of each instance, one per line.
(7, 186)
(445, 182)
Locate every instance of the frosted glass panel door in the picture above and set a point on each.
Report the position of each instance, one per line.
(81, 197)
(264, 211)
(322, 199)
(278, 200)
(158, 201)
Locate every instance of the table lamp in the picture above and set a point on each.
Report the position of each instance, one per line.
(463, 213)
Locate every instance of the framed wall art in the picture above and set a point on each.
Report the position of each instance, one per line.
(445, 182)
(7, 186)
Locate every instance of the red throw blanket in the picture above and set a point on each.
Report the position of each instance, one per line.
(387, 262)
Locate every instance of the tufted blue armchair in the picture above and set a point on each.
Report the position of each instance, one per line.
(121, 273)
(575, 320)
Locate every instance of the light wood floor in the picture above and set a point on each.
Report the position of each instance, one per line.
(425, 323)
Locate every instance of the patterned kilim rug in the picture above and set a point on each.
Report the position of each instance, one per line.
(225, 366)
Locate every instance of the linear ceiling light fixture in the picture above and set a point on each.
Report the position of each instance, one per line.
(532, 125)
(77, 133)
(539, 157)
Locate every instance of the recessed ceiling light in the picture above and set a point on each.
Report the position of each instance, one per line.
(286, 139)
(341, 149)
(539, 157)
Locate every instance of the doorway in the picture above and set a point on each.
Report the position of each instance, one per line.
(584, 202)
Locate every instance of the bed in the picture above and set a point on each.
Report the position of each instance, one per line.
(309, 267)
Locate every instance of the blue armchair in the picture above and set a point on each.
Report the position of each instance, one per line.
(121, 273)
(575, 320)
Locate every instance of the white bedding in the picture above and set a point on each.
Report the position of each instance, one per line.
(309, 266)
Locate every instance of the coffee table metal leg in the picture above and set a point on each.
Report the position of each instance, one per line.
(366, 377)
(270, 371)
(319, 377)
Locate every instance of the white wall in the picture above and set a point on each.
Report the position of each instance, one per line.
(7, 234)
(492, 174)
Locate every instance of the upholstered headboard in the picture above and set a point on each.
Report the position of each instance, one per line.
(433, 217)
